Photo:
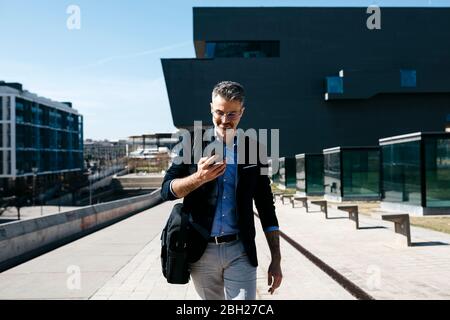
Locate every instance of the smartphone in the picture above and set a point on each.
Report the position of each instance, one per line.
(217, 162)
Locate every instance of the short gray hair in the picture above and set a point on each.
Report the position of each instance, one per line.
(230, 91)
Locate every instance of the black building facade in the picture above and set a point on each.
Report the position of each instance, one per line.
(320, 75)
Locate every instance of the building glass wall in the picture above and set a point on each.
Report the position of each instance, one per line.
(361, 173)
(352, 173)
(287, 176)
(5, 136)
(46, 138)
(274, 175)
(314, 174)
(332, 173)
(437, 172)
(300, 173)
(401, 179)
(310, 174)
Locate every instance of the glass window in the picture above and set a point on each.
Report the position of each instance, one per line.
(27, 135)
(75, 144)
(287, 172)
(70, 164)
(53, 142)
(69, 141)
(61, 158)
(335, 85)
(408, 78)
(35, 113)
(437, 168)
(36, 141)
(20, 111)
(59, 140)
(7, 116)
(5, 155)
(53, 161)
(23, 111)
(40, 115)
(274, 174)
(70, 122)
(44, 138)
(20, 136)
(59, 120)
(45, 157)
(24, 161)
(5, 128)
(242, 49)
(401, 173)
(45, 115)
(210, 50)
(361, 174)
(332, 173)
(55, 119)
(314, 174)
(300, 174)
(282, 178)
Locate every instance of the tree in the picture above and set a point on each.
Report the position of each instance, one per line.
(20, 196)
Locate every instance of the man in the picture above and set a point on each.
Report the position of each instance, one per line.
(219, 196)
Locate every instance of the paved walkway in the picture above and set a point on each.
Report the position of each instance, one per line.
(122, 262)
(373, 258)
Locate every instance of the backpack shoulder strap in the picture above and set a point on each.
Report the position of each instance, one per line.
(203, 232)
(183, 233)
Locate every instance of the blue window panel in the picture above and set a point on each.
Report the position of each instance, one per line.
(408, 78)
(335, 85)
(210, 50)
(242, 49)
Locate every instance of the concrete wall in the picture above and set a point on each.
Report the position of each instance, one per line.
(23, 240)
(135, 182)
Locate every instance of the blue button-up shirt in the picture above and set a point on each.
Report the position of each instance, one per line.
(225, 219)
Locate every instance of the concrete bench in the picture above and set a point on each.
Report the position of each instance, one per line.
(286, 196)
(402, 225)
(275, 194)
(323, 206)
(352, 213)
(303, 200)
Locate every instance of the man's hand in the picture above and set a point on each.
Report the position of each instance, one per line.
(275, 276)
(208, 170)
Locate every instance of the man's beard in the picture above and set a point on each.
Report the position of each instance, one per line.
(222, 132)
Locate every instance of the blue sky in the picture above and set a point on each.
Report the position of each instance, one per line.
(110, 69)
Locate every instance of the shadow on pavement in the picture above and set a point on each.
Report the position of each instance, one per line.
(374, 227)
(428, 244)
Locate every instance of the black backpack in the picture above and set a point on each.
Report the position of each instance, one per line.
(174, 243)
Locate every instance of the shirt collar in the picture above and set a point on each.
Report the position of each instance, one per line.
(235, 138)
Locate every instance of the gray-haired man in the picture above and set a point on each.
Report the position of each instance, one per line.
(220, 199)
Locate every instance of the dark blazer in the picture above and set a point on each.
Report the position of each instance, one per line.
(201, 203)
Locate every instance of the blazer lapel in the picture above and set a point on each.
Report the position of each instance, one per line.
(244, 161)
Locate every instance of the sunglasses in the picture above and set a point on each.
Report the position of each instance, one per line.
(228, 115)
